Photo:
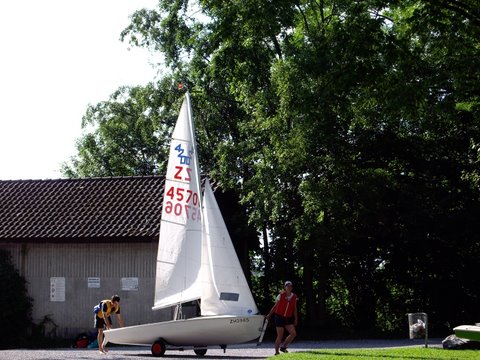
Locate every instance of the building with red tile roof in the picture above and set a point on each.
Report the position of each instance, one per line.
(78, 241)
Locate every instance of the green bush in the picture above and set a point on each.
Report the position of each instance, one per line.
(15, 304)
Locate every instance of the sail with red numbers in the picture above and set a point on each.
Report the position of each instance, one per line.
(178, 262)
(196, 260)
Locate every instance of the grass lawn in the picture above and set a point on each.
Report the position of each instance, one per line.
(393, 353)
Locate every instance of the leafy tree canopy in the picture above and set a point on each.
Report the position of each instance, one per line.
(350, 129)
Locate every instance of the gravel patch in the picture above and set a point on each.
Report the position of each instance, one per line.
(244, 351)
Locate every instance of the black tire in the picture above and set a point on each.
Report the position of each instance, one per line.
(200, 352)
(158, 348)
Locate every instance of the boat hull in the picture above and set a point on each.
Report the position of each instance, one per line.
(199, 331)
(469, 332)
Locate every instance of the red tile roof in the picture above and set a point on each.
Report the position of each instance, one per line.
(71, 210)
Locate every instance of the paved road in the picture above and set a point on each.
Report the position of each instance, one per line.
(239, 352)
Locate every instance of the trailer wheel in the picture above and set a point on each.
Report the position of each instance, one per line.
(158, 348)
(200, 352)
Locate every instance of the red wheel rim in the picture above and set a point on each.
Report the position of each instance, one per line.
(157, 348)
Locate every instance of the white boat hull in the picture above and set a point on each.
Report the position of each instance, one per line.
(199, 331)
(469, 332)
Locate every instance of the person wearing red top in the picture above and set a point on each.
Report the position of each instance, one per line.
(285, 317)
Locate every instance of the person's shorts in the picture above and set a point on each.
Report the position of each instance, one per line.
(99, 323)
(282, 320)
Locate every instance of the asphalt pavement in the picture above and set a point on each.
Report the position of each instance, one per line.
(244, 351)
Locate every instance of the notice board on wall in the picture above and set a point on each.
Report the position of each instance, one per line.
(57, 289)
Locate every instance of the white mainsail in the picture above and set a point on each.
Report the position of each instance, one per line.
(195, 260)
(178, 260)
(225, 289)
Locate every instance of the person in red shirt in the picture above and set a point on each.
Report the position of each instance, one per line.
(285, 317)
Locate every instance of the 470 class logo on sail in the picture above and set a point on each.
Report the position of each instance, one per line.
(183, 201)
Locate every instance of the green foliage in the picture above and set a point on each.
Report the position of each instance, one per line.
(16, 305)
(352, 132)
(127, 134)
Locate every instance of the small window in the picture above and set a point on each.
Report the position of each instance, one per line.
(229, 296)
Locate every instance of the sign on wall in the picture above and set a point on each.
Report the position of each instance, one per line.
(130, 284)
(57, 289)
(93, 282)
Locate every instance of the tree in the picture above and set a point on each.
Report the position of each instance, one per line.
(126, 134)
(351, 130)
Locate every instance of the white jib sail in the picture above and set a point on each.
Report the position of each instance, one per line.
(179, 247)
(225, 290)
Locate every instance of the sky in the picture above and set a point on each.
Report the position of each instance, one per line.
(57, 57)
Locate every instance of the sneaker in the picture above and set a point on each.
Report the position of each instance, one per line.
(284, 349)
(277, 353)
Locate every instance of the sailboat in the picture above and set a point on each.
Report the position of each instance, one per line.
(196, 261)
